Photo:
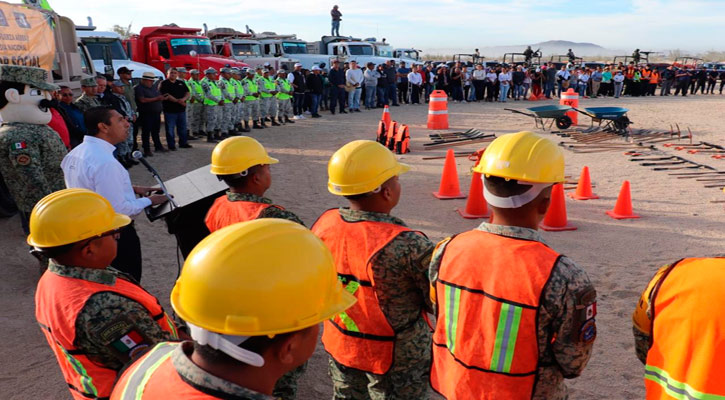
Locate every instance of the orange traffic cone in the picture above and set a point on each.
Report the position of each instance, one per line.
(584, 187)
(476, 206)
(533, 97)
(555, 218)
(623, 208)
(438, 110)
(386, 116)
(449, 188)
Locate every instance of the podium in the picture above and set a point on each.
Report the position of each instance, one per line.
(194, 193)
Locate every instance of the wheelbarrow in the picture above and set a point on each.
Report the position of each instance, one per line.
(614, 118)
(556, 113)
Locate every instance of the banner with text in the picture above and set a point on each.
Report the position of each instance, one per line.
(26, 37)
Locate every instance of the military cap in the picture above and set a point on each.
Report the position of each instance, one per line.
(34, 77)
(281, 71)
(251, 71)
(89, 82)
(226, 70)
(181, 69)
(118, 83)
(194, 72)
(210, 71)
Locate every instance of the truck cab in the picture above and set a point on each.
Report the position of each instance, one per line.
(108, 54)
(348, 49)
(289, 46)
(241, 47)
(166, 46)
(410, 56)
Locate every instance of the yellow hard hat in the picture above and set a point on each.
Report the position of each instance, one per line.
(360, 167)
(523, 156)
(237, 154)
(71, 215)
(262, 277)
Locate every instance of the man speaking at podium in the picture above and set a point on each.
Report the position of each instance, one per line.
(92, 166)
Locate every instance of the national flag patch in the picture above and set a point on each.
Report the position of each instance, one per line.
(128, 342)
(591, 311)
(19, 145)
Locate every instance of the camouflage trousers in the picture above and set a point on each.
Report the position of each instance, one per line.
(243, 116)
(252, 108)
(226, 123)
(211, 118)
(238, 112)
(264, 106)
(284, 108)
(407, 379)
(286, 387)
(123, 149)
(194, 117)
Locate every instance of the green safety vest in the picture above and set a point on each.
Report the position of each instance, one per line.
(286, 87)
(269, 85)
(194, 88)
(215, 91)
(238, 87)
(230, 91)
(252, 89)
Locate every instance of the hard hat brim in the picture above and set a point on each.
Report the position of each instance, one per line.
(217, 170)
(360, 188)
(119, 221)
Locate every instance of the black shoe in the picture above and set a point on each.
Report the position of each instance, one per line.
(160, 150)
(332, 112)
(148, 153)
(255, 125)
(288, 121)
(343, 112)
(172, 148)
(274, 123)
(316, 116)
(262, 124)
(185, 146)
(210, 138)
(192, 137)
(396, 105)
(357, 110)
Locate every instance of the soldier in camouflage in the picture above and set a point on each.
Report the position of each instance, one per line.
(396, 270)
(267, 91)
(88, 99)
(182, 77)
(501, 267)
(227, 110)
(239, 114)
(213, 97)
(195, 104)
(283, 97)
(30, 151)
(251, 100)
(124, 148)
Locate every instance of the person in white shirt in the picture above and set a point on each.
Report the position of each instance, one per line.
(354, 78)
(491, 78)
(583, 82)
(91, 165)
(479, 81)
(618, 83)
(415, 82)
(561, 77)
(504, 79)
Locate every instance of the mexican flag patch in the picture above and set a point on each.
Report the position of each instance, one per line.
(19, 145)
(128, 342)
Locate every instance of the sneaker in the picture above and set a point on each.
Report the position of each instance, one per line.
(308, 112)
(302, 117)
(296, 117)
(185, 146)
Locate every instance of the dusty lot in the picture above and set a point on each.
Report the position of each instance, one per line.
(678, 220)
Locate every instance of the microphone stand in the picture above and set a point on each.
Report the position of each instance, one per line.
(138, 156)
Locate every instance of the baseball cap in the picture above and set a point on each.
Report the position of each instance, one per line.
(298, 65)
(124, 70)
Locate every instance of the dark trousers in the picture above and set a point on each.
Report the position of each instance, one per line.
(682, 87)
(128, 255)
(337, 96)
(415, 94)
(403, 92)
(150, 128)
(175, 122)
(478, 86)
(392, 95)
(299, 103)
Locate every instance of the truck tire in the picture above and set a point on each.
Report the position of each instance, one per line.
(7, 204)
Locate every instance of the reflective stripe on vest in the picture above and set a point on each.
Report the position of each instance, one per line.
(687, 328)
(250, 89)
(269, 85)
(215, 91)
(360, 337)
(224, 212)
(59, 300)
(286, 88)
(195, 87)
(229, 87)
(486, 334)
(143, 369)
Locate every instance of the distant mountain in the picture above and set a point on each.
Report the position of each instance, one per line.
(548, 48)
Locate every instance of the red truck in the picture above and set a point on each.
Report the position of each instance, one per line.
(170, 46)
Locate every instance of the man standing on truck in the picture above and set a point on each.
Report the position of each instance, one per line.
(212, 98)
(336, 14)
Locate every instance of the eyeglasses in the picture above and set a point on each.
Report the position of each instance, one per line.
(116, 234)
(66, 94)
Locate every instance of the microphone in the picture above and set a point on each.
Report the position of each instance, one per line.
(138, 156)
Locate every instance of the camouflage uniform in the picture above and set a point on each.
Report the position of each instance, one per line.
(124, 148)
(263, 101)
(211, 113)
(194, 108)
(107, 317)
(30, 157)
(399, 273)
(239, 105)
(251, 101)
(85, 102)
(193, 374)
(283, 97)
(566, 286)
(286, 387)
(226, 123)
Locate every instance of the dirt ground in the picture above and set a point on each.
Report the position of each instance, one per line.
(678, 220)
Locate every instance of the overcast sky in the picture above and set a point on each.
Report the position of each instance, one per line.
(689, 25)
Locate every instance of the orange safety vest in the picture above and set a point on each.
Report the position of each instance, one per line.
(688, 320)
(153, 376)
(655, 77)
(646, 74)
(58, 301)
(224, 212)
(361, 336)
(485, 345)
(629, 73)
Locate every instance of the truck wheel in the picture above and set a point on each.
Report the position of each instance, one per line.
(563, 122)
(7, 204)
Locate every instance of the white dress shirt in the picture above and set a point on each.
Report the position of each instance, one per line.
(415, 79)
(92, 166)
(291, 77)
(354, 76)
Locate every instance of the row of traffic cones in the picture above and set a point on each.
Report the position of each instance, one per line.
(555, 218)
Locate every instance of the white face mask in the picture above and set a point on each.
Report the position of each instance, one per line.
(517, 200)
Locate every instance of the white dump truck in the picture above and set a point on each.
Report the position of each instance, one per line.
(108, 53)
(246, 48)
